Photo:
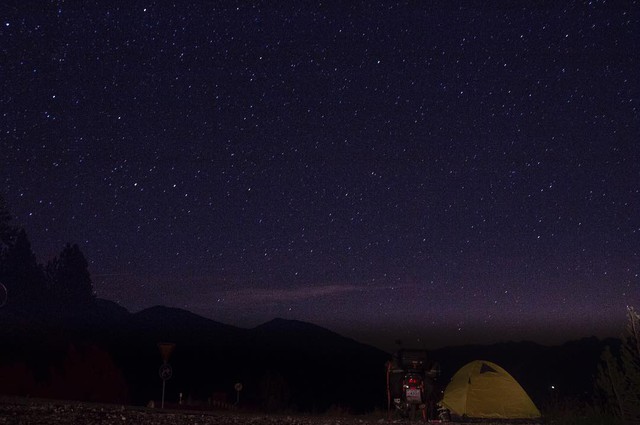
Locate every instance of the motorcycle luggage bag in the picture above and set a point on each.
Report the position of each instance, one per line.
(412, 359)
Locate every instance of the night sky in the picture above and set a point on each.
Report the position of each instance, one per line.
(434, 172)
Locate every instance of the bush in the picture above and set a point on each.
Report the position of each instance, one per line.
(571, 412)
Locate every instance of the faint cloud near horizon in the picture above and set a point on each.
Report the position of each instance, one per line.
(211, 297)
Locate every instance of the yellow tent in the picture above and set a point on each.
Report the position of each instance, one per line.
(482, 389)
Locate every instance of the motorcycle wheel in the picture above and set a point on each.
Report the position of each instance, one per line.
(412, 412)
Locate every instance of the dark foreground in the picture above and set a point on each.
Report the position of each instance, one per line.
(21, 411)
(54, 412)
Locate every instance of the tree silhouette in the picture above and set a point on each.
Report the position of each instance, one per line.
(618, 377)
(274, 391)
(7, 231)
(7, 236)
(21, 274)
(70, 280)
(88, 374)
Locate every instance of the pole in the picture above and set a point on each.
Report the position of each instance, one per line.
(238, 388)
(163, 383)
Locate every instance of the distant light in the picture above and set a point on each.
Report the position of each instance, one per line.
(553, 387)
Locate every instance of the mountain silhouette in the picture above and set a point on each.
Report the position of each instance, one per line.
(311, 367)
(177, 325)
(282, 364)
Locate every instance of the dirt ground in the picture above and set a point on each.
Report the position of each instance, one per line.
(26, 411)
(54, 412)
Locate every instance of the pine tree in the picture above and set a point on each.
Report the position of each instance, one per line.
(21, 274)
(70, 279)
(7, 231)
(7, 235)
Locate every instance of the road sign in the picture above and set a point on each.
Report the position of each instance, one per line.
(166, 348)
(165, 371)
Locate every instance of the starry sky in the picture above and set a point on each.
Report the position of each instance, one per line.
(436, 172)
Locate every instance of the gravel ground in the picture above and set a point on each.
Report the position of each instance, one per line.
(25, 411)
(49, 412)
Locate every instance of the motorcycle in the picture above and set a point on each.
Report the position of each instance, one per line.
(409, 384)
(412, 397)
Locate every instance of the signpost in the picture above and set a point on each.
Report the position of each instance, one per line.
(238, 388)
(165, 371)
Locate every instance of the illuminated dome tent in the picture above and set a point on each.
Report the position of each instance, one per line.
(482, 389)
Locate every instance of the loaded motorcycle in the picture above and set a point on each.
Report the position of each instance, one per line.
(410, 386)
